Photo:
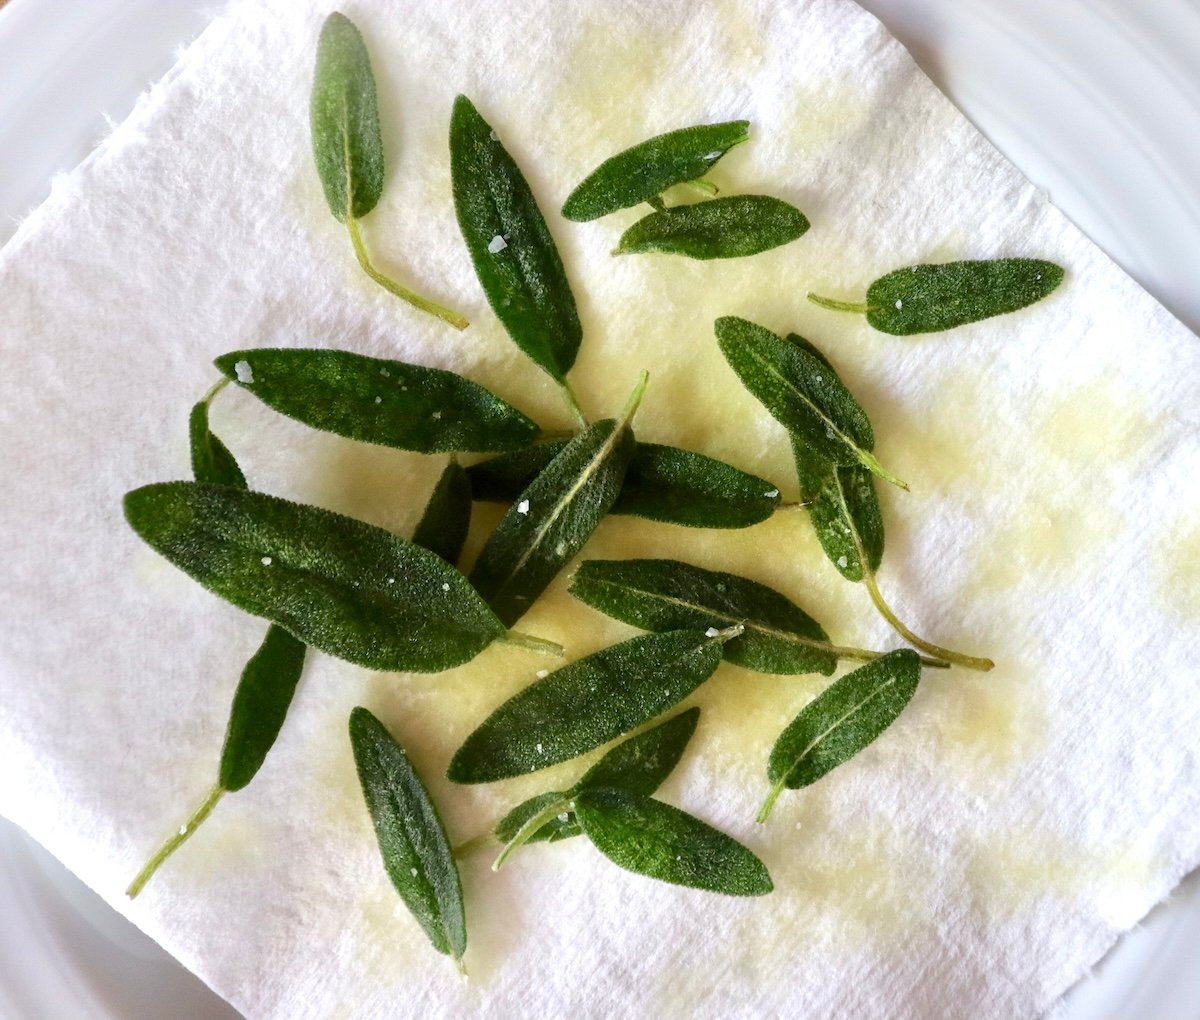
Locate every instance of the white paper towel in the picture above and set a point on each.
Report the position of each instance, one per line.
(975, 861)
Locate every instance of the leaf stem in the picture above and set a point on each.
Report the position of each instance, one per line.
(657, 204)
(872, 464)
(176, 840)
(535, 644)
(216, 388)
(704, 186)
(635, 400)
(473, 844)
(839, 306)
(573, 404)
(390, 285)
(867, 655)
(769, 803)
(530, 828)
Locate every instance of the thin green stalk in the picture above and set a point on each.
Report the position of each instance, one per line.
(839, 306)
(216, 388)
(530, 828)
(472, 845)
(176, 840)
(769, 803)
(704, 186)
(402, 292)
(573, 404)
(534, 644)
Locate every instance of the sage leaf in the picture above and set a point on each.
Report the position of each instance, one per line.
(664, 595)
(644, 171)
(348, 588)
(390, 403)
(662, 483)
(553, 518)
(562, 826)
(820, 483)
(260, 706)
(412, 839)
(929, 298)
(802, 392)
(447, 519)
(723, 228)
(344, 114)
(651, 838)
(511, 247)
(587, 703)
(843, 719)
(211, 459)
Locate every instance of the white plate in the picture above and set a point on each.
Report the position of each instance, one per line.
(1098, 101)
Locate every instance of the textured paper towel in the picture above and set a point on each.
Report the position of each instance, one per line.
(973, 862)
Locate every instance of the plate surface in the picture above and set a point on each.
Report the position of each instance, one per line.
(1098, 102)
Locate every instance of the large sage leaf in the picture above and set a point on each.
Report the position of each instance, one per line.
(211, 459)
(412, 839)
(447, 519)
(843, 719)
(585, 704)
(723, 228)
(651, 838)
(646, 170)
(511, 247)
(391, 403)
(663, 595)
(933, 297)
(353, 590)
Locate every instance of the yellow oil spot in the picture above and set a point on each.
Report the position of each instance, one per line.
(1097, 425)
(1181, 585)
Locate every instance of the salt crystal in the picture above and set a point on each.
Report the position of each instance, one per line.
(497, 244)
(543, 673)
(539, 748)
(266, 561)
(842, 561)
(243, 371)
(391, 580)
(715, 154)
(495, 137)
(379, 400)
(772, 494)
(563, 817)
(711, 632)
(523, 507)
(183, 830)
(899, 304)
(413, 872)
(445, 586)
(437, 415)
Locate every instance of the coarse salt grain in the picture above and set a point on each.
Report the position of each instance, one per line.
(243, 371)
(497, 244)
(523, 507)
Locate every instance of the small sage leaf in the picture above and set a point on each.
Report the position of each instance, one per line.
(645, 171)
(802, 392)
(412, 839)
(723, 228)
(651, 838)
(447, 519)
(930, 298)
(348, 588)
(587, 703)
(843, 719)
(511, 247)
(344, 113)
(562, 826)
(663, 595)
(406, 407)
(260, 706)
(211, 459)
(829, 497)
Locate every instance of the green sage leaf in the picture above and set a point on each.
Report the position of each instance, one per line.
(843, 489)
(348, 588)
(562, 826)
(344, 114)
(260, 706)
(514, 254)
(646, 170)
(390, 403)
(930, 298)
(447, 519)
(654, 839)
(664, 595)
(211, 459)
(412, 839)
(843, 719)
(585, 704)
(802, 392)
(722, 228)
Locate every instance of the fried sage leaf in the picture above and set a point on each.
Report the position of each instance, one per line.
(843, 719)
(722, 228)
(662, 483)
(585, 704)
(930, 298)
(662, 595)
(412, 839)
(447, 519)
(515, 257)
(348, 588)
(391, 403)
(802, 393)
(819, 485)
(211, 459)
(649, 168)
(654, 839)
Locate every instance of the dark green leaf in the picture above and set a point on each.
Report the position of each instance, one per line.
(651, 838)
(345, 121)
(662, 595)
(407, 407)
(553, 518)
(843, 719)
(211, 459)
(930, 298)
(646, 170)
(562, 826)
(350, 589)
(412, 840)
(585, 704)
(447, 519)
(723, 228)
(501, 479)
(828, 516)
(515, 257)
(260, 705)
(801, 392)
